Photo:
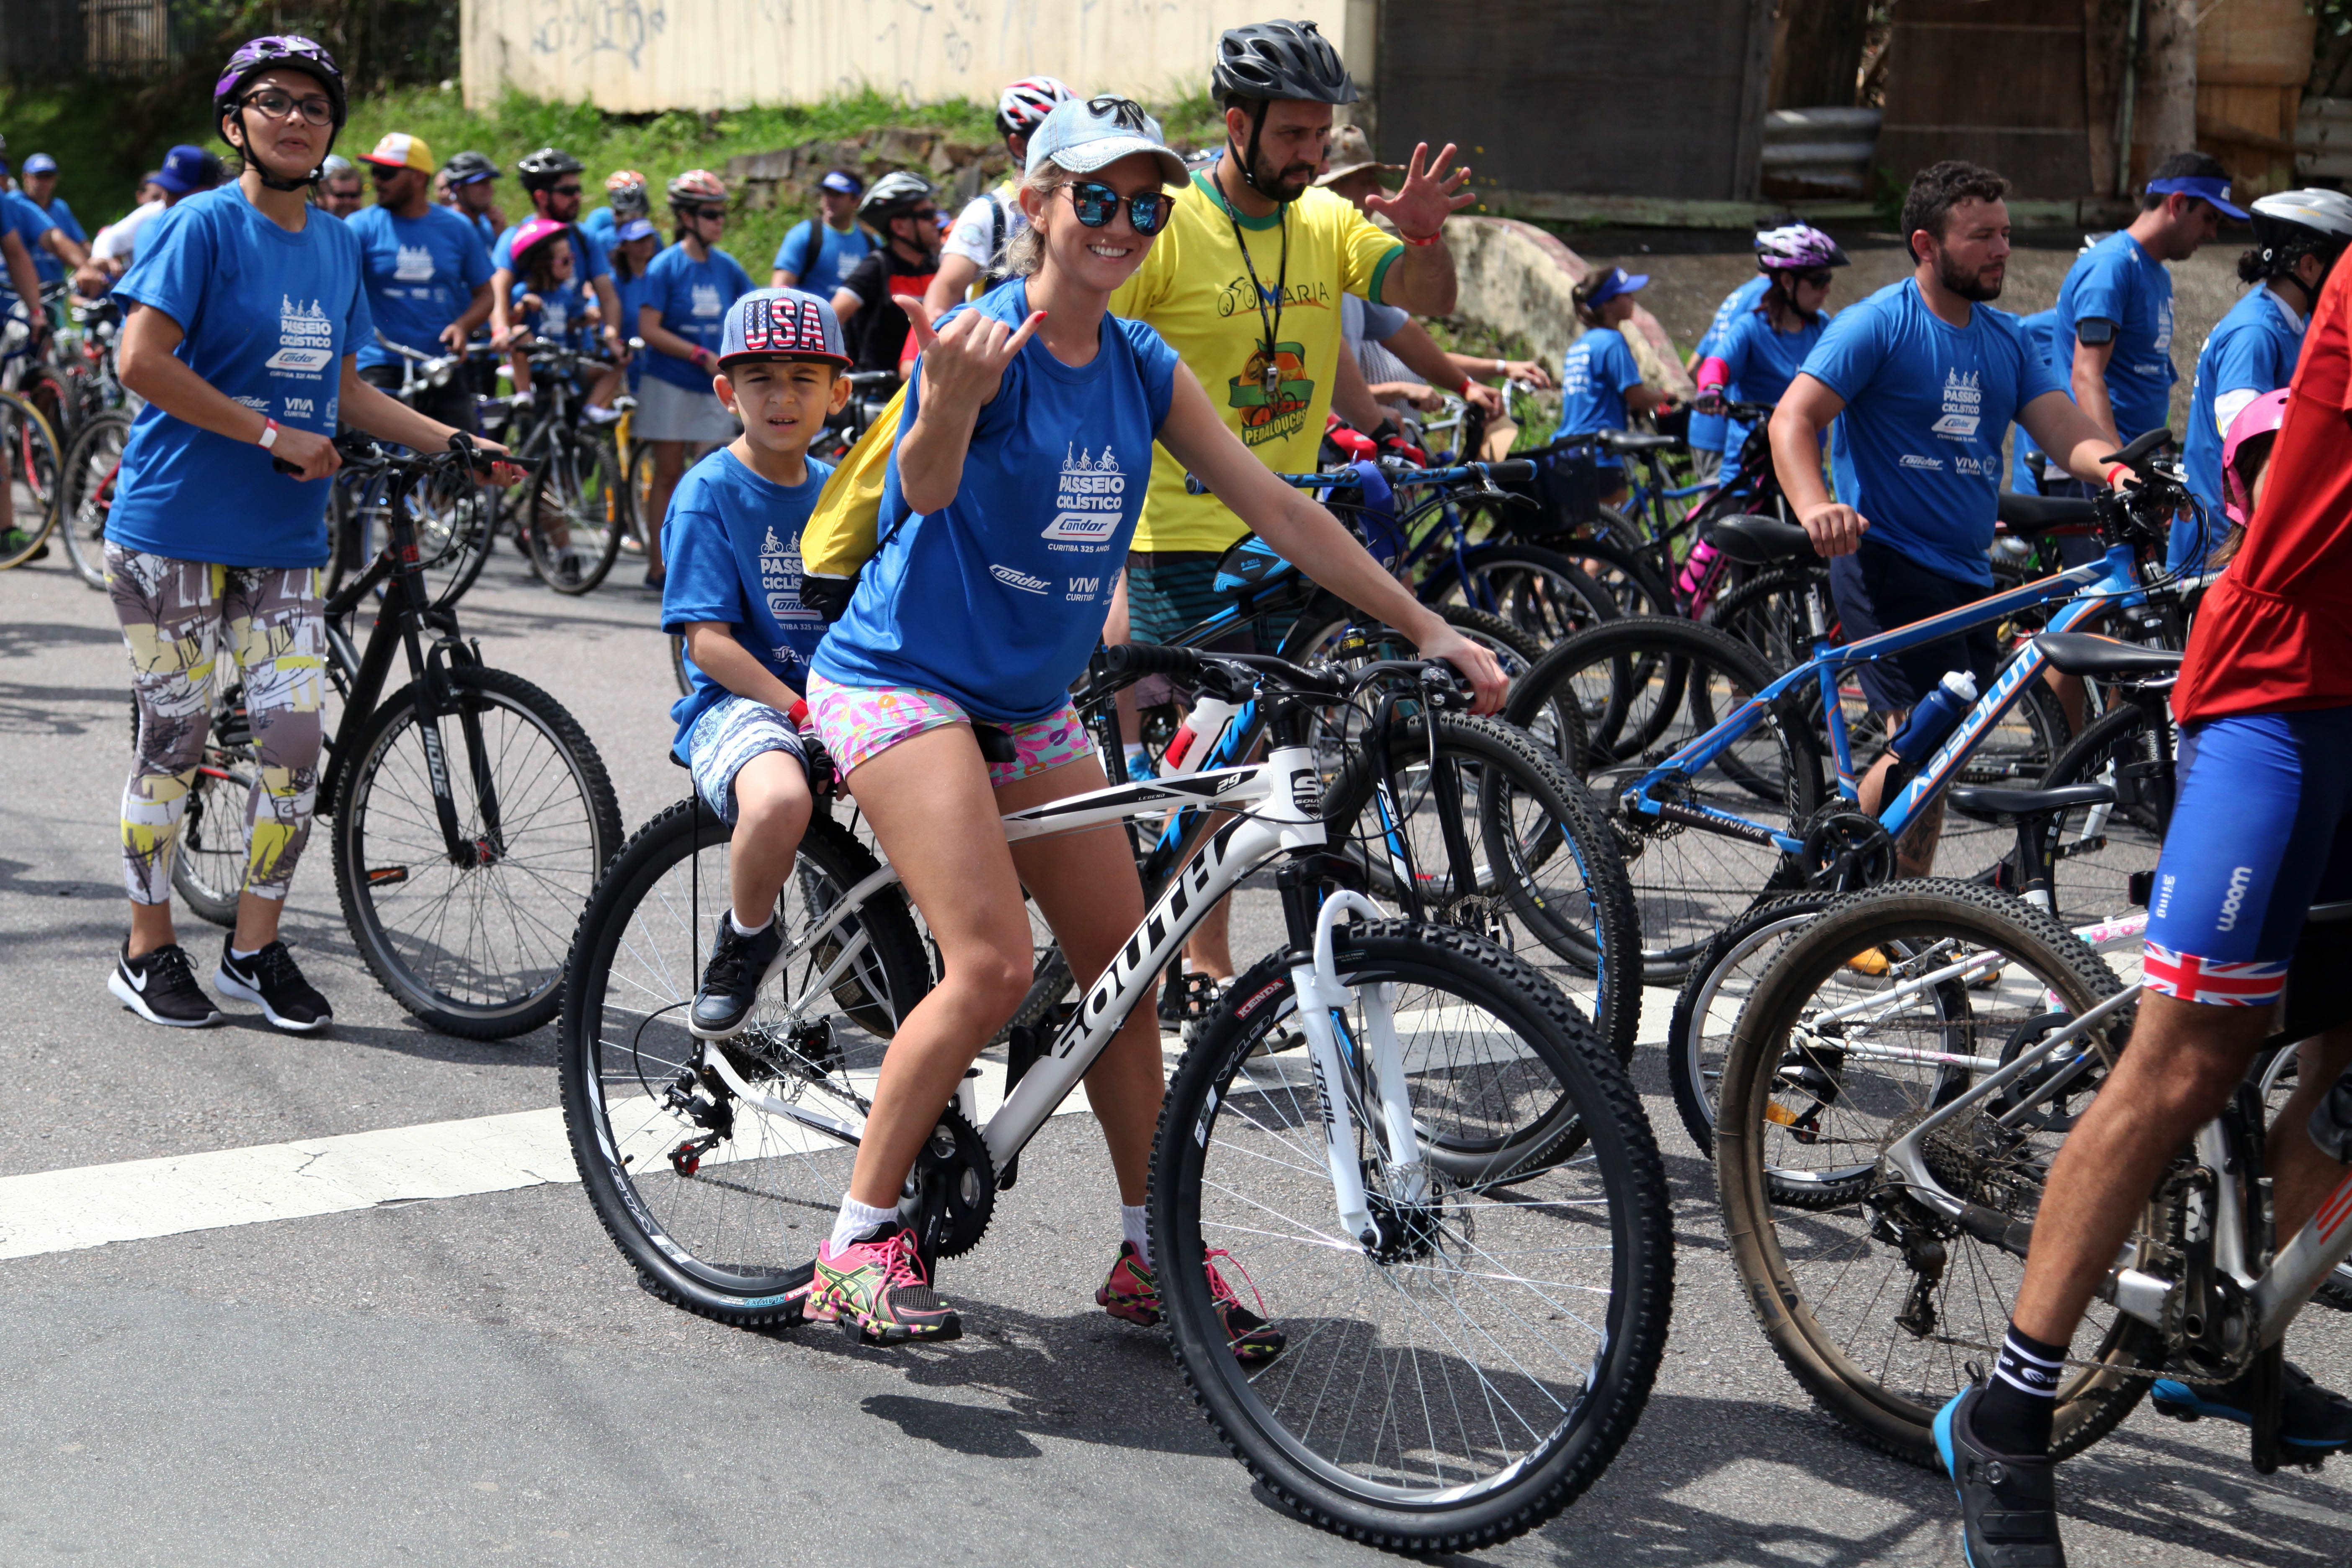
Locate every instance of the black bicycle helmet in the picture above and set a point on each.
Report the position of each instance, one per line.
(895, 195)
(1268, 60)
(465, 168)
(540, 169)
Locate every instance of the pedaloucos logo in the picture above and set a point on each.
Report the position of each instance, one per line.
(306, 338)
(1090, 500)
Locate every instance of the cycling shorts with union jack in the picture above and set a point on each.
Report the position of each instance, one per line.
(2262, 831)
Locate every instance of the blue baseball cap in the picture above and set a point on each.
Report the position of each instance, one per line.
(782, 323)
(1617, 281)
(40, 163)
(635, 228)
(842, 181)
(188, 169)
(1083, 136)
(2205, 186)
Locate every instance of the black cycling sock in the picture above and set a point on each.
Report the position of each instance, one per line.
(2013, 1416)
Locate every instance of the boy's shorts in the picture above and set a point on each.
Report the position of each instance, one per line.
(732, 732)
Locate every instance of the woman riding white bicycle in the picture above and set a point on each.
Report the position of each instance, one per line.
(246, 351)
(969, 613)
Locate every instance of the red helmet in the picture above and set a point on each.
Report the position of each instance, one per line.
(2257, 421)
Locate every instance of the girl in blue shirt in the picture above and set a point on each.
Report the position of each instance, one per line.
(248, 312)
(1599, 385)
(688, 288)
(1026, 408)
(1761, 349)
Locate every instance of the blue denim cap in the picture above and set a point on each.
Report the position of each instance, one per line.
(1083, 136)
(782, 323)
(2205, 186)
(40, 163)
(188, 169)
(1618, 281)
(842, 181)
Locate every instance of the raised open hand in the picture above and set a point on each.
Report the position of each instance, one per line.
(963, 365)
(1421, 205)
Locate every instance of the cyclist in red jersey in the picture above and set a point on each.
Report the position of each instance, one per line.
(2261, 830)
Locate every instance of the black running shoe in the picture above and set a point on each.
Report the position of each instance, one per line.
(731, 980)
(2312, 1421)
(160, 987)
(269, 978)
(2009, 1505)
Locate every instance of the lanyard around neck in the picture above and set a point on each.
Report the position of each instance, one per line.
(1272, 375)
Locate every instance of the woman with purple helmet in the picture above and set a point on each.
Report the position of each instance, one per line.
(246, 311)
(1761, 349)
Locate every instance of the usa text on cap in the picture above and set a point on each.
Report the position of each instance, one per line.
(782, 323)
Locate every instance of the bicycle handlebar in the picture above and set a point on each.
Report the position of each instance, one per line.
(1138, 659)
(1399, 475)
(361, 454)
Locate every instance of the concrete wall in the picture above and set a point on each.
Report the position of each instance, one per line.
(1516, 277)
(634, 56)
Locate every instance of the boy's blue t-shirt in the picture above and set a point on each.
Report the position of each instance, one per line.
(1593, 380)
(977, 601)
(51, 269)
(835, 253)
(1709, 431)
(2253, 349)
(1762, 364)
(1917, 447)
(731, 547)
(2118, 281)
(692, 297)
(2025, 458)
(268, 319)
(22, 216)
(562, 317)
(588, 259)
(420, 274)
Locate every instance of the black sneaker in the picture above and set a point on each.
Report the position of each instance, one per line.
(160, 987)
(269, 978)
(731, 980)
(2008, 1504)
(2312, 1421)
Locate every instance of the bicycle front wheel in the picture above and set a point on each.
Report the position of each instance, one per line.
(36, 472)
(1880, 1012)
(578, 512)
(1468, 1374)
(716, 1199)
(468, 930)
(1543, 593)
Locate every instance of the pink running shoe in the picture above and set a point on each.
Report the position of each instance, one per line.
(1132, 1292)
(876, 1289)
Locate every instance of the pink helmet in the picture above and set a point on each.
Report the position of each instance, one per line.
(533, 234)
(2262, 418)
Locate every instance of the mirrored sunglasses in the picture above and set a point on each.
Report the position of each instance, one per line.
(1146, 210)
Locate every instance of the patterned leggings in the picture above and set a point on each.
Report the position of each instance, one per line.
(176, 616)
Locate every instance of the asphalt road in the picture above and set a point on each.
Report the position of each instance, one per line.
(479, 1378)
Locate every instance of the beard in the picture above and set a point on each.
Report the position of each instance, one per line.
(1969, 285)
(1280, 184)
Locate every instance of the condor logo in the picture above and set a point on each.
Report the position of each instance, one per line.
(1016, 579)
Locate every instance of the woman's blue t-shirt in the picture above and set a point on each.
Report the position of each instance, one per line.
(2254, 349)
(1593, 381)
(692, 297)
(632, 293)
(1762, 364)
(731, 547)
(269, 318)
(1707, 430)
(996, 600)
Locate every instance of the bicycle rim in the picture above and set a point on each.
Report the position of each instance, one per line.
(1469, 1381)
(88, 493)
(718, 1199)
(35, 476)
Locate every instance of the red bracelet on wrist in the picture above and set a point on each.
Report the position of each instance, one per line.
(1430, 239)
(798, 714)
(1463, 390)
(2114, 468)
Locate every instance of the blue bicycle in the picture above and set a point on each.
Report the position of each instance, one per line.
(1712, 763)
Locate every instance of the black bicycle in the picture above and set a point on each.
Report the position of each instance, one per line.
(470, 813)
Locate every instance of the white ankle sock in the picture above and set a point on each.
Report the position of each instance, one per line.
(1131, 1226)
(854, 1220)
(234, 951)
(741, 929)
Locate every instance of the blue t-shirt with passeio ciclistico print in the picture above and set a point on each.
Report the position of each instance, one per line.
(731, 547)
(268, 317)
(996, 600)
(1593, 381)
(1918, 448)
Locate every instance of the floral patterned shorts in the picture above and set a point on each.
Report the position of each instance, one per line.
(859, 722)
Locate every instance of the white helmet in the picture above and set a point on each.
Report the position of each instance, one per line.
(2294, 223)
(1025, 104)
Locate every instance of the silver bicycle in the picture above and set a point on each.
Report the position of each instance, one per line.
(1439, 1178)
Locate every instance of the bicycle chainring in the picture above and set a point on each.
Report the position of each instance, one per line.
(955, 1186)
(1846, 852)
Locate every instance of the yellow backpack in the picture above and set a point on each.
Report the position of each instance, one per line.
(844, 530)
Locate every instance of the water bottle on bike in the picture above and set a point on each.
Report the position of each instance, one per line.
(1934, 720)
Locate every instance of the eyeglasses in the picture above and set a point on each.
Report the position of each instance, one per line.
(1095, 201)
(275, 105)
(1819, 277)
(380, 173)
(926, 215)
(697, 212)
(564, 190)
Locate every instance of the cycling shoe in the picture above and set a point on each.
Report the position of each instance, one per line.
(2009, 1507)
(2312, 1421)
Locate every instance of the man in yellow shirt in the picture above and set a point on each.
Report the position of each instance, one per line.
(1245, 283)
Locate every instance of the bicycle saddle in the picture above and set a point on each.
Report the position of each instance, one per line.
(2036, 515)
(2006, 805)
(1760, 541)
(1629, 442)
(2081, 653)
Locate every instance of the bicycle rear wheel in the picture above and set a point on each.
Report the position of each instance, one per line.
(1874, 1303)
(2101, 847)
(578, 512)
(35, 474)
(471, 937)
(1707, 1007)
(88, 492)
(1543, 593)
(716, 1199)
(1470, 1375)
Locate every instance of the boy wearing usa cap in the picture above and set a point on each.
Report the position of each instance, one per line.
(730, 544)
